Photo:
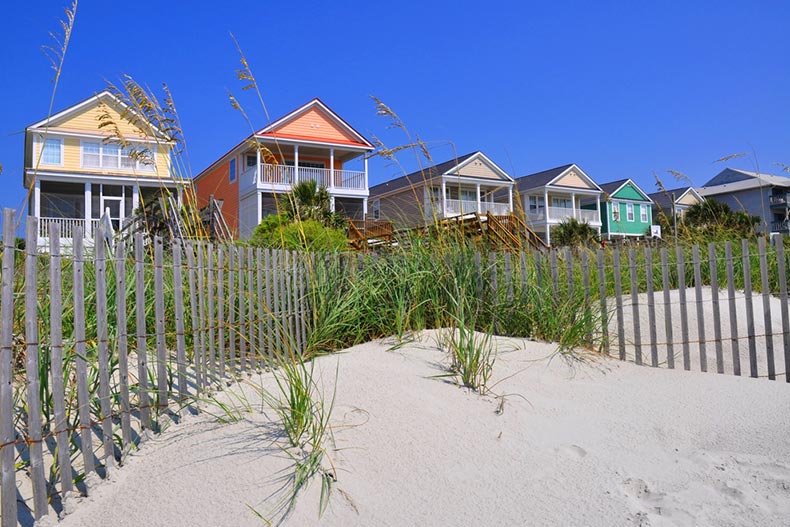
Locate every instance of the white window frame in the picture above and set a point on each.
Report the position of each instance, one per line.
(615, 211)
(233, 170)
(629, 212)
(643, 213)
(43, 146)
(376, 209)
(138, 165)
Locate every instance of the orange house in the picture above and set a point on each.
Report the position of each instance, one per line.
(310, 143)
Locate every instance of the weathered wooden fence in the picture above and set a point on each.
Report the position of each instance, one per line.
(132, 338)
(98, 350)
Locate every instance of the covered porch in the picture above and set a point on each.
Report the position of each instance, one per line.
(453, 198)
(550, 207)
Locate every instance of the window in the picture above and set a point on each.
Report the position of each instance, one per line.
(533, 203)
(232, 170)
(615, 211)
(629, 211)
(252, 161)
(377, 210)
(643, 213)
(562, 203)
(305, 164)
(52, 153)
(100, 155)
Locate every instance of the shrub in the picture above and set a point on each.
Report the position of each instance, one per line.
(278, 232)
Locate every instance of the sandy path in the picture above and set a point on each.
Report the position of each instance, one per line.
(604, 443)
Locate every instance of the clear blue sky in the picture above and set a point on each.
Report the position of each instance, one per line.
(620, 88)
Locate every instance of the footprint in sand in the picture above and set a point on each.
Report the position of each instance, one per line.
(572, 451)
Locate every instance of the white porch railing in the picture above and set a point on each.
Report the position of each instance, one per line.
(559, 214)
(456, 207)
(287, 175)
(67, 226)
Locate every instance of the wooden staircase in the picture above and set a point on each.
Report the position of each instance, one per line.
(510, 231)
(364, 235)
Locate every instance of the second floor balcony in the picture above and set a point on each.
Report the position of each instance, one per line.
(281, 177)
(560, 214)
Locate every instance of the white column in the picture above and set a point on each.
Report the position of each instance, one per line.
(37, 198)
(332, 170)
(88, 203)
(257, 165)
(546, 204)
(510, 198)
(576, 213)
(259, 199)
(332, 203)
(598, 209)
(364, 208)
(135, 198)
(296, 164)
(479, 208)
(444, 200)
(366, 173)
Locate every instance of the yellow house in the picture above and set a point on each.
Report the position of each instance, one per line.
(95, 157)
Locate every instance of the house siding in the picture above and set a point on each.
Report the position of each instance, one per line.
(216, 183)
(315, 125)
(479, 168)
(755, 202)
(404, 208)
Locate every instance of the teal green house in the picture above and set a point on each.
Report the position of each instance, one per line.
(626, 211)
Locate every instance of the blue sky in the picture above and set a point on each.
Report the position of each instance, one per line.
(623, 89)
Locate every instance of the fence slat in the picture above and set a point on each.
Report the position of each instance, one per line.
(289, 295)
(714, 292)
(736, 356)
(703, 355)
(781, 267)
(211, 315)
(8, 508)
(178, 301)
(123, 344)
(276, 322)
(201, 307)
(221, 310)
(767, 321)
(31, 370)
(747, 293)
(56, 346)
(651, 307)
(242, 321)
(81, 363)
(159, 311)
(636, 322)
(105, 405)
(554, 275)
(193, 311)
(267, 257)
(665, 285)
(251, 332)
(684, 318)
(259, 308)
(569, 271)
(143, 393)
(604, 307)
(586, 284)
(232, 331)
(618, 296)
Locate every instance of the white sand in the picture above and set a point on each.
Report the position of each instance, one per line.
(605, 443)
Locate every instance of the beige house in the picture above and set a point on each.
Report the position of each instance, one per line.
(468, 184)
(77, 170)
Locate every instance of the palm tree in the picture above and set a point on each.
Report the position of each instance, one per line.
(574, 233)
(308, 201)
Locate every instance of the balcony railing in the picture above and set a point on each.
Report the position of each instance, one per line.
(287, 175)
(780, 226)
(68, 226)
(780, 199)
(456, 207)
(560, 214)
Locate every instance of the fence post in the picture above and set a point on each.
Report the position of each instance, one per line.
(668, 337)
(159, 310)
(684, 321)
(7, 447)
(636, 323)
(703, 355)
(651, 307)
(123, 343)
(178, 293)
(259, 307)
(100, 265)
(232, 333)
(714, 290)
(211, 318)
(56, 343)
(747, 293)
(781, 266)
(766, 291)
(736, 356)
(618, 294)
(83, 396)
(142, 337)
(221, 309)
(242, 312)
(201, 308)
(251, 332)
(602, 298)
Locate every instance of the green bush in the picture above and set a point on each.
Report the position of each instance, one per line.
(278, 232)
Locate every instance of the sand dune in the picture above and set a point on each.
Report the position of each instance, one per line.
(599, 442)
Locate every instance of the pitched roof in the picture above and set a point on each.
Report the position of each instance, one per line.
(539, 179)
(734, 179)
(612, 187)
(420, 176)
(663, 198)
(270, 130)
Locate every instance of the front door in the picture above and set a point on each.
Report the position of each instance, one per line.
(113, 206)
